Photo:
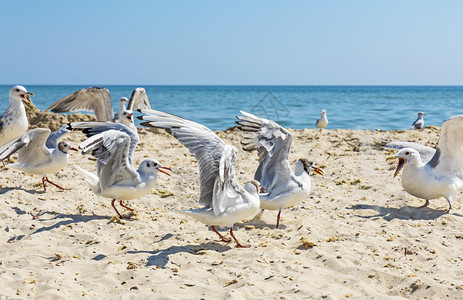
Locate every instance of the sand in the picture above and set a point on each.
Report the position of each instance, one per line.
(357, 235)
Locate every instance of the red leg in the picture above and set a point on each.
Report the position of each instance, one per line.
(112, 203)
(43, 183)
(238, 245)
(278, 219)
(227, 240)
(46, 179)
(131, 209)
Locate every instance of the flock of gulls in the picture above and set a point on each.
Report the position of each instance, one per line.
(112, 139)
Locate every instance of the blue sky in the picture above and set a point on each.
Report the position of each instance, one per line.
(232, 42)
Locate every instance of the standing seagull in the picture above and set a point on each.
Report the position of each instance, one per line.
(13, 122)
(419, 123)
(39, 152)
(225, 201)
(116, 176)
(282, 187)
(98, 100)
(442, 176)
(323, 121)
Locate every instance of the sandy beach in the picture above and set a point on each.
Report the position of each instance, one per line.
(357, 235)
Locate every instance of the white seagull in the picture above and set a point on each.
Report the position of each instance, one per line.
(13, 122)
(39, 152)
(322, 122)
(282, 187)
(98, 100)
(116, 176)
(442, 176)
(419, 122)
(225, 201)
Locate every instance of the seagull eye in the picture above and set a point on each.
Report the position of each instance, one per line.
(407, 153)
(17, 90)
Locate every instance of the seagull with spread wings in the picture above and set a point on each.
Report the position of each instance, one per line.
(225, 201)
(282, 187)
(39, 152)
(440, 176)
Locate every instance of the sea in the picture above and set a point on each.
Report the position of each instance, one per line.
(297, 107)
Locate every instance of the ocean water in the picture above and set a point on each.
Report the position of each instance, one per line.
(348, 107)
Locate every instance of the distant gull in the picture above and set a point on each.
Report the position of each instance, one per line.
(419, 122)
(98, 100)
(442, 176)
(116, 176)
(39, 152)
(322, 122)
(282, 187)
(225, 201)
(13, 122)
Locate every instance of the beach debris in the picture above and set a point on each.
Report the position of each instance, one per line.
(233, 281)
(306, 243)
(116, 219)
(131, 266)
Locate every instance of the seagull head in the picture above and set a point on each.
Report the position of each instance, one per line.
(252, 187)
(20, 93)
(405, 155)
(153, 166)
(127, 115)
(307, 166)
(420, 114)
(65, 147)
(124, 100)
(323, 113)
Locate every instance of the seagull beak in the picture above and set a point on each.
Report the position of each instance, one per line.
(400, 165)
(318, 171)
(162, 171)
(74, 149)
(262, 190)
(129, 116)
(26, 96)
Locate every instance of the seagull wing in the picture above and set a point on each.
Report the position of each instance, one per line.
(111, 149)
(138, 100)
(272, 143)
(96, 99)
(449, 152)
(52, 140)
(200, 140)
(30, 147)
(426, 152)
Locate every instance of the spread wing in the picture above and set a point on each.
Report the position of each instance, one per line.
(138, 100)
(52, 140)
(200, 140)
(426, 152)
(93, 128)
(96, 99)
(30, 147)
(449, 152)
(272, 143)
(111, 149)
(227, 191)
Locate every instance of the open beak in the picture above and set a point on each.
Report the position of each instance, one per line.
(318, 171)
(26, 96)
(400, 165)
(162, 171)
(73, 149)
(130, 117)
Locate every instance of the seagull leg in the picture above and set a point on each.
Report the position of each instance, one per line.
(131, 209)
(238, 245)
(278, 219)
(449, 200)
(112, 203)
(425, 204)
(46, 179)
(43, 183)
(224, 239)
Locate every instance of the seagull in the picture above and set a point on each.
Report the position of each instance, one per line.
(282, 187)
(322, 122)
(116, 176)
(442, 175)
(419, 123)
(39, 152)
(98, 100)
(225, 201)
(13, 122)
(426, 152)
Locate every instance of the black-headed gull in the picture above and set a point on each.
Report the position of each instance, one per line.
(225, 201)
(116, 176)
(442, 176)
(13, 122)
(98, 100)
(322, 122)
(282, 187)
(419, 122)
(39, 152)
